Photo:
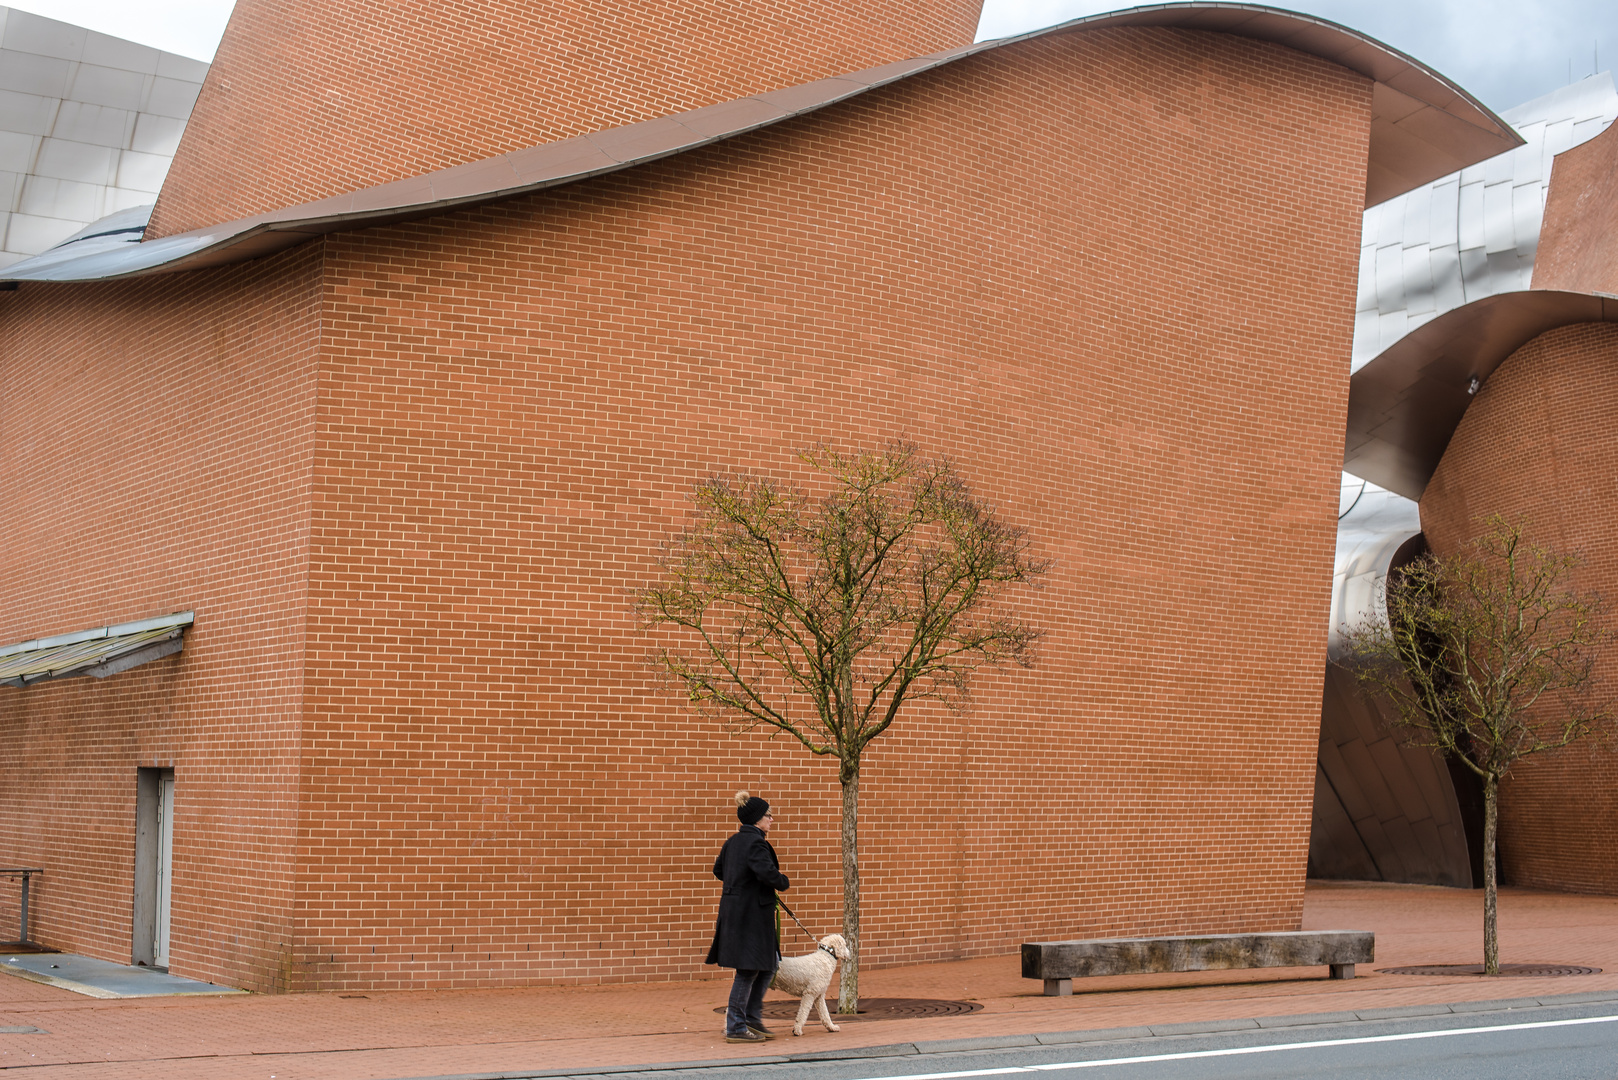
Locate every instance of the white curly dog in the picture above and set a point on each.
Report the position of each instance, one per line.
(808, 976)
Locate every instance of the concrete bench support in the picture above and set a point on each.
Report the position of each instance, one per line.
(1058, 963)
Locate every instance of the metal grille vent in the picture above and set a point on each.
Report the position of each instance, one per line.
(1521, 971)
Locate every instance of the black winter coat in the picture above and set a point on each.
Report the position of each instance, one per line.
(745, 935)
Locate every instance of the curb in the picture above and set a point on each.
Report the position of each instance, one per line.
(1058, 1038)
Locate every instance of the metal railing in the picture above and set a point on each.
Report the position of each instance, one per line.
(25, 873)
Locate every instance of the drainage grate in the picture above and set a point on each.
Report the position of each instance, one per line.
(1521, 971)
(872, 1009)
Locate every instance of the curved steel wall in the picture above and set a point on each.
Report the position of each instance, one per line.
(1385, 811)
(1473, 233)
(88, 126)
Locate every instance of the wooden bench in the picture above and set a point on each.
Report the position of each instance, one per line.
(1058, 963)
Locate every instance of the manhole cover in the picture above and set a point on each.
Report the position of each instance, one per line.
(1528, 971)
(872, 1009)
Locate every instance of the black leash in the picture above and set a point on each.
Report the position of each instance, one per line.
(795, 919)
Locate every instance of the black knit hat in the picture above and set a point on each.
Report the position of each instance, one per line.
(752, 811)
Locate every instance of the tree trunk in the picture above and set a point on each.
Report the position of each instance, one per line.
(1491, 937)
(848, 998)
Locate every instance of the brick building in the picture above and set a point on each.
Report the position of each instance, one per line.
(405, 388)
(1502, 406)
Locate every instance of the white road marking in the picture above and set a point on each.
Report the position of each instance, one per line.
(1009, 1070)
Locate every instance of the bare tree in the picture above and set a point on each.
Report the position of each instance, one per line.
(822, 616)
(1487, 657)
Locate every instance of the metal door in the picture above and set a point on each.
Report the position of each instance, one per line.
(154, 865)
(165, 866)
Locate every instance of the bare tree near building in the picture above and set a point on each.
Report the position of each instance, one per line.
(1487, 656)
(822, 615)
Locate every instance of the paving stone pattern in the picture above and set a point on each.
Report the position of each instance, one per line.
(381, 1036)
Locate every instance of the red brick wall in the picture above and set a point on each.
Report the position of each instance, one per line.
(310, 98)
(1537, 443)
(155, 451)
(1110, 274)
(1576, 249)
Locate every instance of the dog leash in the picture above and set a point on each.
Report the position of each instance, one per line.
(795, 919)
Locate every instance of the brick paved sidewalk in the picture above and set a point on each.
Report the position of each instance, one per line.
(397, 1035)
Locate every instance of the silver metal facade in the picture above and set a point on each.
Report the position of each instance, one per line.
(1464, 237)
(1372, 525)
(1404, 406)
(1473, 233)
(1384, 810)
(88, 127)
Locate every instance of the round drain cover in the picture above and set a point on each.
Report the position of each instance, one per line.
(1520, 971)
(872, 1009)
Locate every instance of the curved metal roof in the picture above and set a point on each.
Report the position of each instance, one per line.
(1423, 126)
(1404, 406)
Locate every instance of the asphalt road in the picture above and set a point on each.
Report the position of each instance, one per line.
(1574, 1042)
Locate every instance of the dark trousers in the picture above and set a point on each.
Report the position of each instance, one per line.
(747, 1001)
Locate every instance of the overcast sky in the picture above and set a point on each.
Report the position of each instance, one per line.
(1504, 51)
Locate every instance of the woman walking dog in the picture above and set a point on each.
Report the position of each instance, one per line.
(747, 936)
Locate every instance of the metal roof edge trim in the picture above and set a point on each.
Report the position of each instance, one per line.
(189, 249)
(1125, 16)
(209, 245)
(184, 618)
